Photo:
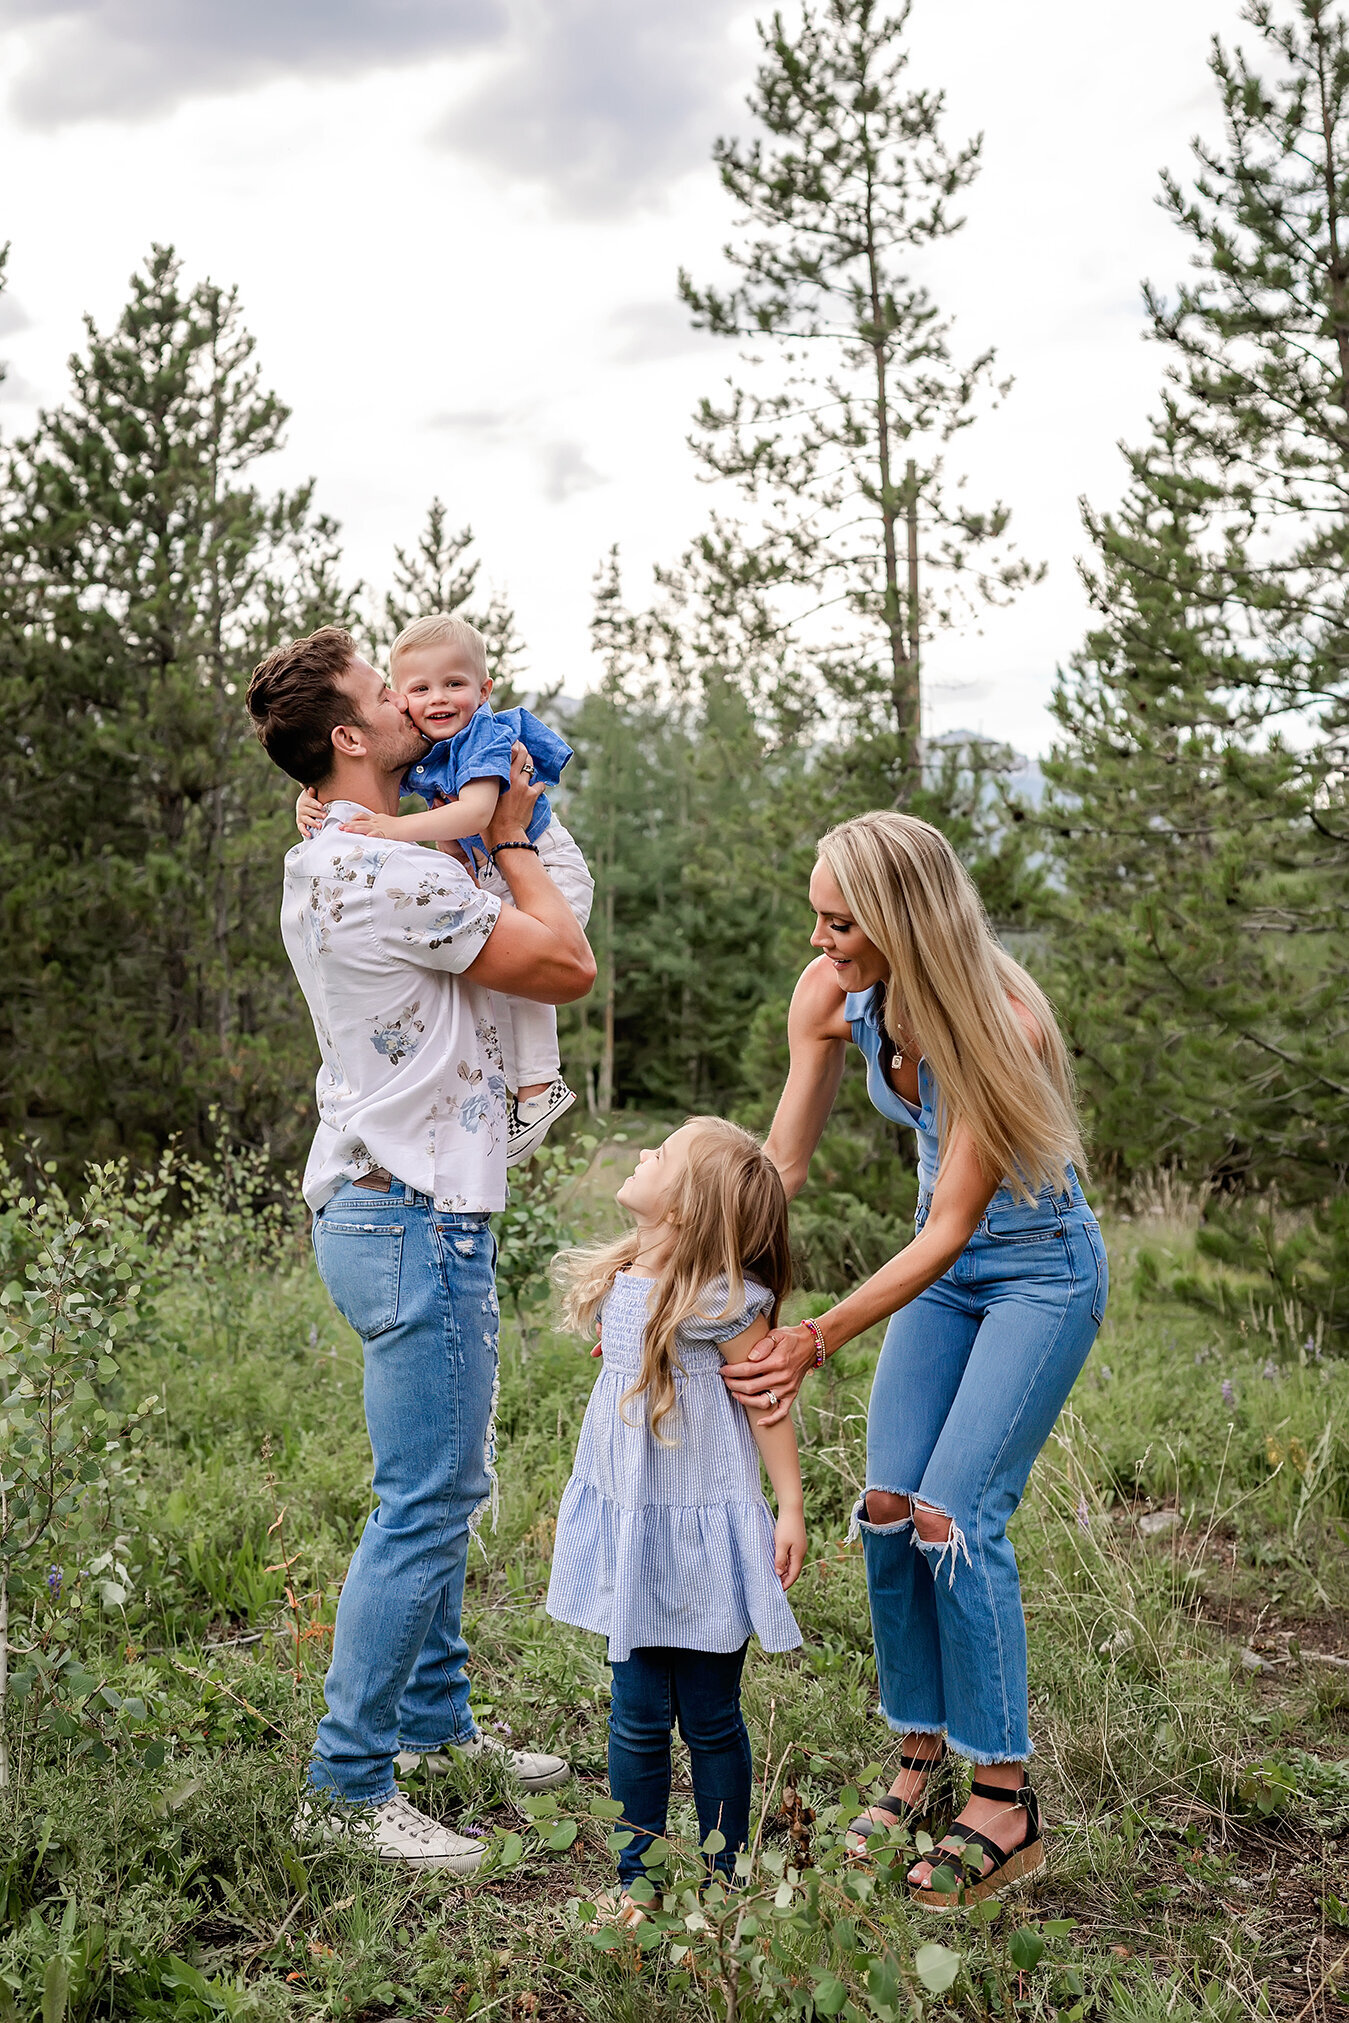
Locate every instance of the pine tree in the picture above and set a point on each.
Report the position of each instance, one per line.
(838, 439)
(676, 802)
(141, 828)
(1202, 832)
(440, 577)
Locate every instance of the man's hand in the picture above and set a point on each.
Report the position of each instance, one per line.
(310, 813)
(789, 1545)
(515, 807)
(775, 1365)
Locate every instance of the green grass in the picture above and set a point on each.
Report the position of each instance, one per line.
(1197, 1804)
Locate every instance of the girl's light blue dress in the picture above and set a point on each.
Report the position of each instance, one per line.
(669, 1547)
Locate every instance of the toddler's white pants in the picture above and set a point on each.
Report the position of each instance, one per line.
(529, 1031)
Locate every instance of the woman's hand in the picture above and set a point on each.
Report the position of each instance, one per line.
(771, 1375)
(789, 1546)
(310, 813)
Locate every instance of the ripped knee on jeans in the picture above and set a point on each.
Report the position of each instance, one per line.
(932, 1526)
(883, 1506)
(938, 1530)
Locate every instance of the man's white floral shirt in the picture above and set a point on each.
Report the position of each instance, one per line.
(411, 1078)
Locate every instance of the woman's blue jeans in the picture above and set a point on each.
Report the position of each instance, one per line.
(971, 1377)
(419, 1288)
(700, 1690)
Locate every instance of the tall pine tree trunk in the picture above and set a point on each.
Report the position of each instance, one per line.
(606, 1088)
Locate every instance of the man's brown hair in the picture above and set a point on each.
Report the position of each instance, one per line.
(296, 701)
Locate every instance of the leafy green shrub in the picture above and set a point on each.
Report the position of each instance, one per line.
(64, 1444)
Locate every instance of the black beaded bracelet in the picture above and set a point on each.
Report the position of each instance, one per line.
(492, 854)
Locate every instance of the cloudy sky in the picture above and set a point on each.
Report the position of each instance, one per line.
(456, 224)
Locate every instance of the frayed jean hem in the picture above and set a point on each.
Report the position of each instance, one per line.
(982, 1759)
(913, 1727)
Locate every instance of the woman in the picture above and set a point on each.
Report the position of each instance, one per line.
(992, 1308)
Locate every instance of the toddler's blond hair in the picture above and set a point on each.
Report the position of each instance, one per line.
(441, 629)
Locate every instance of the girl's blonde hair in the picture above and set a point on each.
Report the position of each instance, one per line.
(729, 1217)
(949, 995)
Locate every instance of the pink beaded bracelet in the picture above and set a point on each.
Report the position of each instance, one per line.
(819, 1342)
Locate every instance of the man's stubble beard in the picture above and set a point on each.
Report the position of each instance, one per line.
(393, 754)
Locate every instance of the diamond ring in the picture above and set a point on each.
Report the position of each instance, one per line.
(772, 1397)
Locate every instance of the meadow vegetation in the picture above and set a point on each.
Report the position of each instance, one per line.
(183, 1462)
(1183, 1547)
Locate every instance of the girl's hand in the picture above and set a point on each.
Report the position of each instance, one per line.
(789, 1549)
(372, 825)
(309, 813)
(775, 1365)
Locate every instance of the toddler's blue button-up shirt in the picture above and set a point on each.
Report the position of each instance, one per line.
(482, 751)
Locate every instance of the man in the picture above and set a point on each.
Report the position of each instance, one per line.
(397, 950)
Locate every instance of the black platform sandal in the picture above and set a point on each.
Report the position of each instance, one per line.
(1018, 1866)
(897, 1810)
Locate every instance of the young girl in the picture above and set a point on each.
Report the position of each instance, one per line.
(665, 1544)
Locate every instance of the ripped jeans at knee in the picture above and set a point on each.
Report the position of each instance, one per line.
(938, 1537)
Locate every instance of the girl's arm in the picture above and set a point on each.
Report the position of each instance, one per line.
(777, 1447)
(467, 815)
(817, 1033)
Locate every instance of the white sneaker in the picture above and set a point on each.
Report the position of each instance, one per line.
(532, 1769)
(394, 1831)
(530, 1120)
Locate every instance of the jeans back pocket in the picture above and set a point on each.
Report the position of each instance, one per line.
(1024, 1222)
(361, 1263)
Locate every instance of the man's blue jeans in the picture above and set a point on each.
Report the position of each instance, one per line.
(971, 1377)
(652, 1690)
(418, 1286)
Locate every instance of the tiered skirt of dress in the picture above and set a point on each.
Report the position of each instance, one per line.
(669, 1547)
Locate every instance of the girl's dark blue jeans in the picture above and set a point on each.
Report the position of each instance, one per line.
(652, 1690)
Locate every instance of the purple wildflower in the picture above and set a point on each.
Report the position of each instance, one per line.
(502, 1727)
(1270, 1373)
(55, 1582)
(1083, 1514)
(1229, 1392)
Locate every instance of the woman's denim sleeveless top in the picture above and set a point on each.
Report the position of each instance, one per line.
(863, 1010)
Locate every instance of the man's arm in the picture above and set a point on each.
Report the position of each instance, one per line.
(537, 949)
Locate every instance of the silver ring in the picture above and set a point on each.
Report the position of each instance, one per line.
(772, 1397)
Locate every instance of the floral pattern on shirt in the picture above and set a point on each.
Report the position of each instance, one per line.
(411, 1079)
(446, 921)
(399, 1037)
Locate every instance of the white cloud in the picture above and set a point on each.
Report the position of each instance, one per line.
(567, 471)
(120, 59)
(601, 102)
(653, 330)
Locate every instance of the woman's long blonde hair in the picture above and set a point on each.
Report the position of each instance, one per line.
(948, 998)
(729, 1218)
